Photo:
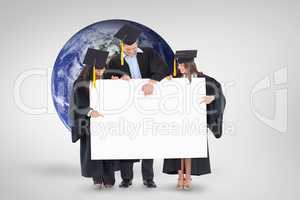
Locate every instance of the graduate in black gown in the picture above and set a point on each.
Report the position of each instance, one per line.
(136, 62)
(102, 171)
(215, 104)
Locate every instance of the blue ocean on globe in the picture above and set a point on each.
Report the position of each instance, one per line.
(68, 63)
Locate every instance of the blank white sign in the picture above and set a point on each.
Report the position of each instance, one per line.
(170, 123)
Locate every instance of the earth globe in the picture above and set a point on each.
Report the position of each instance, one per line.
(68, 64)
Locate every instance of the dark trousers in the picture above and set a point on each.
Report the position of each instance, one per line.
(126, 168)
(108, 177)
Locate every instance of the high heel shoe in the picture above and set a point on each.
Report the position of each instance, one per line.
(180, 184)
(187, 184)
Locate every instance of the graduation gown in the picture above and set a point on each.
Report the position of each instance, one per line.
(215, 109)
(151, 66)
(80, 125)
(150, 63)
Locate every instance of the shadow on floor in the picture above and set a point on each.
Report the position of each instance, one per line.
(53, 169)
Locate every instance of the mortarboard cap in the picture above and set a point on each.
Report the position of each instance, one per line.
(185, 56)
(128, 34)
(95, 58)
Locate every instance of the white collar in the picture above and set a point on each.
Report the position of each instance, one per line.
(139, 50)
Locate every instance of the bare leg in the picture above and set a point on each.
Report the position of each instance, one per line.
(188, 170)
(180, 175)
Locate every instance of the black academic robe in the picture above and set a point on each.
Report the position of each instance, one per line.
(150, 63)
(215, 109)
(80, 125)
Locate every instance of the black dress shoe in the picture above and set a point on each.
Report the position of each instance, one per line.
(125, 183)
(149, 183)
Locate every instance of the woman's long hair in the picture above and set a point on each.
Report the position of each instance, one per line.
(85, 74)
(191, 69)
(81, 84)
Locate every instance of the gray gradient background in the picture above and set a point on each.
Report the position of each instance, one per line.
(239, 42)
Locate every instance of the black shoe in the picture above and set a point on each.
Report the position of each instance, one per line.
(149, 183)
(109, 184)
(98, 182)
(125, 183)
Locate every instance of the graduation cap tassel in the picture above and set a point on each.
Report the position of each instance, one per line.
(94, 76)
(122, 53)
(174, 68)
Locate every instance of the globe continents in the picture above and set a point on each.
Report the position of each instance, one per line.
(68, 63)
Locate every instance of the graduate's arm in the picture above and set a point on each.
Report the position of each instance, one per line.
(220, 105)
(80, 109)
(83, 103)
(157, 71)
(216, 108)
(158, 68)
(82, 99)
(75, 116)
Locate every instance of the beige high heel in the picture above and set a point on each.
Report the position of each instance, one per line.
(187, 184)
(180, 184)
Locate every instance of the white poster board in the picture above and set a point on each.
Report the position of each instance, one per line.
(170, 123)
